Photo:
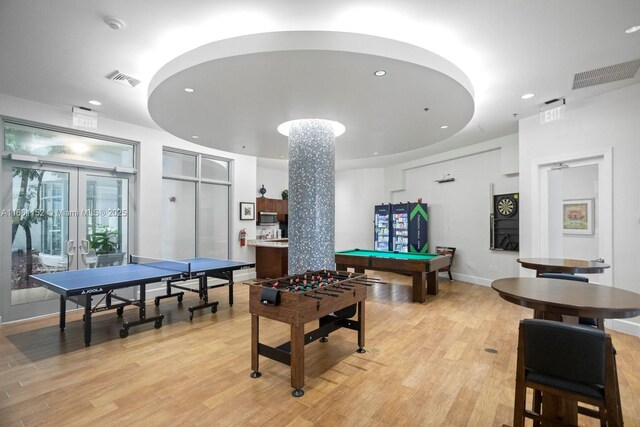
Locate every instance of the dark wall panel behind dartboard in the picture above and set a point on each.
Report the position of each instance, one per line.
(506, 222)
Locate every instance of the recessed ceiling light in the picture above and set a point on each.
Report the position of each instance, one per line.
(195, 136)
(189, 90)
(94, 102)
(527, 96)
(444, 127)
(282, 157)
(375, 153)
(632, 29)
(380, 73)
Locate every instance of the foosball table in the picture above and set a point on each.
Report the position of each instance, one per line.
(331, 297)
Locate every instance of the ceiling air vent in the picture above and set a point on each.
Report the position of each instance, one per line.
(612, 73)
(122, 78)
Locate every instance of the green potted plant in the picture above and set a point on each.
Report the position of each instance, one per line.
(285, 194)
(104, 240)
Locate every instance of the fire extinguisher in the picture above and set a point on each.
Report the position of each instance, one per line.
(243, 237)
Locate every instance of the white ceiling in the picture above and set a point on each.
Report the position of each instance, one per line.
(468, 61)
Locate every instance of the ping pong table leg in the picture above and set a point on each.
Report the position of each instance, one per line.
(203, 293)
(63, 313)
(142, 314)
(231, 291)
(87, 320)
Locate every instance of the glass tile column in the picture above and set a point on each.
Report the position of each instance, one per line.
(311, 195)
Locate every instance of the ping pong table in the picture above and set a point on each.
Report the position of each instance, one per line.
(82, 286)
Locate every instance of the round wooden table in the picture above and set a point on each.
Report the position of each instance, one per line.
(552, 298)
(562, 265)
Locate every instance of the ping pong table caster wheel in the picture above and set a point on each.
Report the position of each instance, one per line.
(124, 333)
(190, 314)
(156, 302)
(297, 393)
(157, 324)
(323, 339)
(119, 311)
(256, 374)
(180, 298)
(361, 350)
(214, 309)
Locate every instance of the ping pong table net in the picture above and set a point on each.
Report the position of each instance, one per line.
(164, 264)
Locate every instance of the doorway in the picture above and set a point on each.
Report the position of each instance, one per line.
(570, 190)
(62, 218)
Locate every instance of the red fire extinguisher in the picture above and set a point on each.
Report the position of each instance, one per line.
(243, 237)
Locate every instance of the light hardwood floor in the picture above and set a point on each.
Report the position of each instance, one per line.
(426, 364)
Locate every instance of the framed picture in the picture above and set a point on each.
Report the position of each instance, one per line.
(247, 210)
(577, 216)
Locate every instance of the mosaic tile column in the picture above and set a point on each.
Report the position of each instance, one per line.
(311, 196)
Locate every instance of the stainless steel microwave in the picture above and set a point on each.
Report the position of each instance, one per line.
(267, 218)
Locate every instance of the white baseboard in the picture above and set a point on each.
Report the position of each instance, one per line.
(471, 279)
(624, 326)
(241, 275)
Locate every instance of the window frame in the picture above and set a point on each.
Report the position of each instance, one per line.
(199, 181)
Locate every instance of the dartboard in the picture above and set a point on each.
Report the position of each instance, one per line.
(506, 206)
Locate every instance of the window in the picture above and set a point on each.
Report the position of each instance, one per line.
(179, 164)
(45, 143)
(215, 169)
(195, 216)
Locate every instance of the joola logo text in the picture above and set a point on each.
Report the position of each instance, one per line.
(91, 291)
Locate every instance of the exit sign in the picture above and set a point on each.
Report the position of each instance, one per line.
(552, 114)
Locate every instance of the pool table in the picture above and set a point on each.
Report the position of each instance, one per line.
(423, 267)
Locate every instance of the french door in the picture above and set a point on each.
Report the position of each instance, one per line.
(62, 218)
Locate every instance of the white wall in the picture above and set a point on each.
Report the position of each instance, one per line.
(459, 210)
(274, 180)
(606, 121)
(357, 192)
(149, 177)
(581, 183)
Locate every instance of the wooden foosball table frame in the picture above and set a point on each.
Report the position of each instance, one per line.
(333, 305)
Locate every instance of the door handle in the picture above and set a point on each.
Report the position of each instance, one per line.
(70, 248)
(84, 247)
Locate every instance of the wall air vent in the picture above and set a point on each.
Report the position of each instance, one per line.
(122, 78)
(612, 73)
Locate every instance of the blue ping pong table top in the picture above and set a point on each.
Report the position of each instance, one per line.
(99, 280)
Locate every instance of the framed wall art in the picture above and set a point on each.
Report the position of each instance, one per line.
(577, 216)
(247, 211)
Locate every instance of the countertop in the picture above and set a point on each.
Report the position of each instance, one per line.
(270, 243)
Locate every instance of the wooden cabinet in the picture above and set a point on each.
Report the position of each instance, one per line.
(264, 204)
(271, 262)
(281, 207)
